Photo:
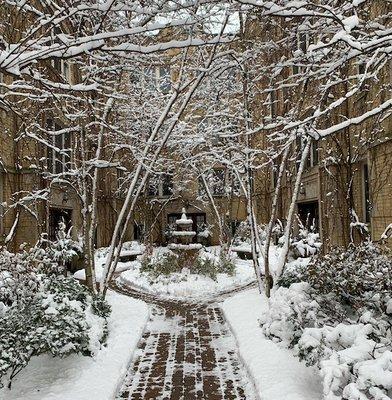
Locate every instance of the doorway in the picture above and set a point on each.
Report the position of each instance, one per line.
(308, 214)
(57, 215)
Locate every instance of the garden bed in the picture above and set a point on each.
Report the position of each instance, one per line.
(185, 283)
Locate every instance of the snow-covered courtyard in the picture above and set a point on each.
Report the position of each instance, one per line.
(195, 200)
(174, 334)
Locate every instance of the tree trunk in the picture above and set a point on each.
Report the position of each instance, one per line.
(290, 217)
(271, 224)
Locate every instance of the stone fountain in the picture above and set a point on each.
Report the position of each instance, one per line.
(182, 241)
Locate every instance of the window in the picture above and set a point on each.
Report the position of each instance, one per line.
(361, 67)
(56, 216)
(235, 184)
(59, 154)
(217, 182)
(366, 194)
(313, 158)
(158, 78)
(220, 182)
(62, 67)
(138, 231)
(164, 79)
(275, 175)
(234, 224)
(160, 185)
(167, 185)
(302, 42)
(2, 88)
(200, 220)
(272, 101)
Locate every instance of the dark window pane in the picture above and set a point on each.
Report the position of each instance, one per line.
(67, 151)
(58, 142)
(218, 182)
(153, 186)
(164, 79)
(315, 153)
(167, 185)
(150, 78)
(366, 192)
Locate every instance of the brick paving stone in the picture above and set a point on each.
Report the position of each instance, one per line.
(186, 352)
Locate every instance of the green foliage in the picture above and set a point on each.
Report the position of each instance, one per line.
(226, 264)
(206, 267)
(293, 273)
(101, 307)
(163, 264)
(169, 263)
(211, 266)
(339, 318)
(243, 233)
(43, 311)
(355, 276)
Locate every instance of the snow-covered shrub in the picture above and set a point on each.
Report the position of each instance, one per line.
(291, 311)
(294, 272)
(277, 233)
(358, 276)
(340, 320)
(206, 267)
(212, 265)
(43, 311)
(18, 276)
(64, 248)
(226, 263)
(160, 264)
(243, 234)
(355, 358)
(61, 318)
(306, 243)
(19, 271)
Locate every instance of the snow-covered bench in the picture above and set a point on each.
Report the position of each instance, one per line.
(129, 255)
(244, 252)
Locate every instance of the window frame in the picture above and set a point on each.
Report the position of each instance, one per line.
(155, 80)
(63, 68)
(58, 162)
(366, 196)
(160, 187)
(222, 181)
(313, 158)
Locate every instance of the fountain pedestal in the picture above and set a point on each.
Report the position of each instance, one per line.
(183, 246)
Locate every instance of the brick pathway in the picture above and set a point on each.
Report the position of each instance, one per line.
(187, 352)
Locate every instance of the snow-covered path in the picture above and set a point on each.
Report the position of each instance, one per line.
(187, 352)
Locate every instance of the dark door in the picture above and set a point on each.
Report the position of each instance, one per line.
(309, 214)
(57, 215)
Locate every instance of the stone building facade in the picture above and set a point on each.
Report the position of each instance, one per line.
(346, 186)
(322, 198)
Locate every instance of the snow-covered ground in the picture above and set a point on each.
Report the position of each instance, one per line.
(277, 374)
(185, 285)
(85, 378)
